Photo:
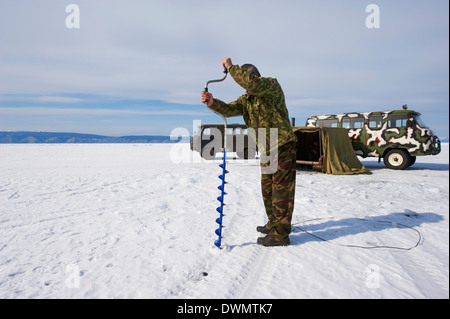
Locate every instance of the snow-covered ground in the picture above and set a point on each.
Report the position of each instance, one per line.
(137, 221)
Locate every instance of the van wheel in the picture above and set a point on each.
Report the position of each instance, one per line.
(397, 159)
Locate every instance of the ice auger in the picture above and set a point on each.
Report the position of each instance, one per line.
(222, 166)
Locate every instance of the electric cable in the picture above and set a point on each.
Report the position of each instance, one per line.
(420, 237)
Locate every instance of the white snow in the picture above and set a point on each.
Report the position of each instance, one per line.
(132, 221)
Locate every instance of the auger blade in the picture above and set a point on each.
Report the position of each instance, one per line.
(221, 198)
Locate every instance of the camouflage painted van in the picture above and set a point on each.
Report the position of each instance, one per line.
(396, 136)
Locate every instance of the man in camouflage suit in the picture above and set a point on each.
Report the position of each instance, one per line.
(263, 106)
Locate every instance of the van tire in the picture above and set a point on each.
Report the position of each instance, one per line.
(397, 159)
(412, 161)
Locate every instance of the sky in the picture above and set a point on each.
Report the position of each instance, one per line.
(135, 67)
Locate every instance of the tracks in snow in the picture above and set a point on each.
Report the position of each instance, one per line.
(226, 274)
(251, 273)
(242, 268)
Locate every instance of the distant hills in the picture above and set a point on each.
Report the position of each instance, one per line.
(50, 137)
(23, 137)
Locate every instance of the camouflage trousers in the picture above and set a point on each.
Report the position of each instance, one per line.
(278, 192)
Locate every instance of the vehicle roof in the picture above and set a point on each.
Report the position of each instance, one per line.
(228, 125)
(365, 114)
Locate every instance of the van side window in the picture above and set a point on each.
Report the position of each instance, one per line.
(333, 123)
(327, 123)
(357, 122)
(346, 123)
(354, 122)
(397, 121)
(375, 121)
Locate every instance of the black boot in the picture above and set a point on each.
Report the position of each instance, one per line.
(268, 241)
(263, 229)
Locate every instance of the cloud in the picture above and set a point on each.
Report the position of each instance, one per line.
(58, 99)
(157, 49)
(320, 51)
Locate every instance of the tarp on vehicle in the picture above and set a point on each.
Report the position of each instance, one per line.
(339, 158)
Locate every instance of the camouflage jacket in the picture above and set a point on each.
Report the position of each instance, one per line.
(262, 106)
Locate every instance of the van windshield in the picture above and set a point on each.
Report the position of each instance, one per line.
(419, 120)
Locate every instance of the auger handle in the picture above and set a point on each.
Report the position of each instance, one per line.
(225, 71)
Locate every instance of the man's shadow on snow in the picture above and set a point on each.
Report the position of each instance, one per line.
(330, 229)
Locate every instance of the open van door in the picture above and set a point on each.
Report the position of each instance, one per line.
(335, 154)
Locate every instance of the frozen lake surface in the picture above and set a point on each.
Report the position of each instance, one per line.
(138, 221)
